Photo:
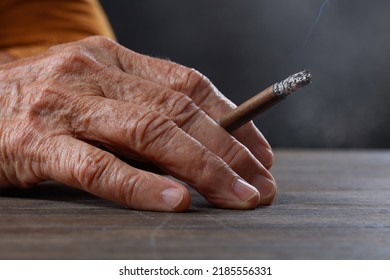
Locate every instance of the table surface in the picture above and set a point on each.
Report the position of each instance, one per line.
(330, 205)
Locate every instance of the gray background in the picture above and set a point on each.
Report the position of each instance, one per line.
(244, 46)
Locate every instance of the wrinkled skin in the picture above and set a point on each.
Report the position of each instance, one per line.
(58, 109)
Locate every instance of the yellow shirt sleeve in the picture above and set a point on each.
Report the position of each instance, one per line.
(31, 26)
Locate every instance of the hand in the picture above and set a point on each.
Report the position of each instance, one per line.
(56, 107)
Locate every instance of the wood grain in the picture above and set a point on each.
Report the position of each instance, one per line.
(330, 205)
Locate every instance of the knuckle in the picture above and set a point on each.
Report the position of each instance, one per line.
(150, 130)
(187, 80)
(181, 108)
(74, 59)
(211, 171)
(48, 93)
(195, 85)
(234, 152)
(99, 40)
(131, 188)
(72, 55)
(19, 151)
(46, 110)
(90, 171)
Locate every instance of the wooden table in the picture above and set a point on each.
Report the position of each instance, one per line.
(331, 205)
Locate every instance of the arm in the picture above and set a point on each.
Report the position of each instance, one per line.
(5, 57)
(41, 24)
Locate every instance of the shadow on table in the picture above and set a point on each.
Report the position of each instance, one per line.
(56, 192)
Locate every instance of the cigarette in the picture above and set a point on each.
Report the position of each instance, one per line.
(264, 100)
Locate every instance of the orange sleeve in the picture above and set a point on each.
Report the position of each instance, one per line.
(31, 26)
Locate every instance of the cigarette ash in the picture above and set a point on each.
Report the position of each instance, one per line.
(292, 83)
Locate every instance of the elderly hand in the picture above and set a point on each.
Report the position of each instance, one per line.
(56, 107)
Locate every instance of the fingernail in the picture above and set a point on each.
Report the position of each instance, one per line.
(263, 151)
(270, 159)
(265, 185)
(244, 191)
(264, 155)
(172, 197)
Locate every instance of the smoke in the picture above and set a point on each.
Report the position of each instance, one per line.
(314, 24)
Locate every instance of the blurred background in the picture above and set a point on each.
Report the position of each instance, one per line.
(244, 46)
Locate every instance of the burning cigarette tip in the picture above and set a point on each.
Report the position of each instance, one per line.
(292, 83)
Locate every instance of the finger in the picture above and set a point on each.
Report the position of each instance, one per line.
(132, 159)
(78, 164)
(199, 89)
(189, 117)
(156, 138)
(252, 138)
